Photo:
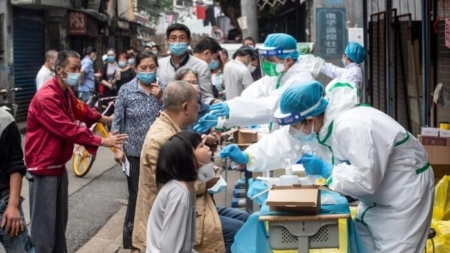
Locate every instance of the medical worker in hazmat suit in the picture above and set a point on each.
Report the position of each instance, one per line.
(282, 66)
(372, 158)
(354, 55)
(272, 150)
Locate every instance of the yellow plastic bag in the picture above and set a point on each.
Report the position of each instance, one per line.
(441, 209)
(441, 216)
(442, 238)
(342, 242)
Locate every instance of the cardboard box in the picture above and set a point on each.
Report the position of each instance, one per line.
(438, 156)
(434, 141)
(243, 137)
(294, 199)
(440, 171)
(429, 131)
(444, 133)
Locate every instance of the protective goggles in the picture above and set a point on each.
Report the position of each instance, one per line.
(294, 117)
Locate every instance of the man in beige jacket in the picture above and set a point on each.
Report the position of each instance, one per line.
(180, 110)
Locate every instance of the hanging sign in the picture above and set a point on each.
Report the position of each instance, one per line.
(447, 32)
(331, 31)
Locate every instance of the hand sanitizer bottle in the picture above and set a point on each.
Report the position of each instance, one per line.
(288, 178)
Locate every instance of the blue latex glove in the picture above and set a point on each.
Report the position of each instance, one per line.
(205, 123)
(235, 154)
(220, 109)
(315, 166)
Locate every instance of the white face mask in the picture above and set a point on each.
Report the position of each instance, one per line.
(280, 67)
(251, 68)
(206, 172)
(301, 136)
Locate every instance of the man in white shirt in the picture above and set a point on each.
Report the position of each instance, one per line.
(47, 70)
(179, 36)
(236, 74)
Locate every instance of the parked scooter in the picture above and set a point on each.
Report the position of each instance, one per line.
(6, 104)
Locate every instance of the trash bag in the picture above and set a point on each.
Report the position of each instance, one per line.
(441, 218)
(442, 239)
(441, 208)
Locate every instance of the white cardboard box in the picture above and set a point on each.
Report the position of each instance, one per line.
(430, 131)
(444, 133)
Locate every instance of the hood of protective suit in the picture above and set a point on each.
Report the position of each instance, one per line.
(310, 63)
(341, 96)
(306, 63)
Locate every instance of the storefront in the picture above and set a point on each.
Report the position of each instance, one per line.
(28, 54)
(82, 30)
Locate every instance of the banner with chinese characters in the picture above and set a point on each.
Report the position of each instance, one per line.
(331, 32)
(447, 32)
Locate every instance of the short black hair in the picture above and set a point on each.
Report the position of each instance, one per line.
(131, 55)
(63, 56)
(249, 38)
(244, 51)
(131, 48)
(90, 50)
(143, 55)
(176, 159)
(207, 43)
(176, 27)
(225, 52)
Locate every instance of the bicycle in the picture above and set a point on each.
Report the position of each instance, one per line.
(82, 160)
(6, 104)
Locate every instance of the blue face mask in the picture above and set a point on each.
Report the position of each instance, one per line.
(302, 137)
(146, 77)
(72, 79)
(122, 64)
(213, 65)
(131, 61)
(178, 48)
(111, 58)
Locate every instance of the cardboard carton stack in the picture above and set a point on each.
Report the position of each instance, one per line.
(437, 144)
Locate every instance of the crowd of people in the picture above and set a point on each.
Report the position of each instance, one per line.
(164, 124)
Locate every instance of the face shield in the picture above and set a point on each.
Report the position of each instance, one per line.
(284, 119)
(272, 61)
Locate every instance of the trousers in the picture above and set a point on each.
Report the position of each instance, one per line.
(49, 213)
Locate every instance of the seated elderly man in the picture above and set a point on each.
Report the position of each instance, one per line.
(215, 226)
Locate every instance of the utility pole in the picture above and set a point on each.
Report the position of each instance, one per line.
(249, 10)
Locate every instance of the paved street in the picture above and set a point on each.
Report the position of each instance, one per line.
(97, 205)
(93, 199)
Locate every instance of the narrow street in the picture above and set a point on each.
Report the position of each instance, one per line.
(93, 199)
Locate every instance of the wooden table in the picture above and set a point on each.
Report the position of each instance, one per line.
(304, 232)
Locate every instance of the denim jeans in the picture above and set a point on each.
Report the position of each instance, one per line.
(21, 243)
(232, 220)
(84, 96)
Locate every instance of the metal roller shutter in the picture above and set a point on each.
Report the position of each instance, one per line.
(28, 56)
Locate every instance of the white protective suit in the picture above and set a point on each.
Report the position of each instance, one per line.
(258, 102)
(384, 166)
(352, 72)
(271, 151)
